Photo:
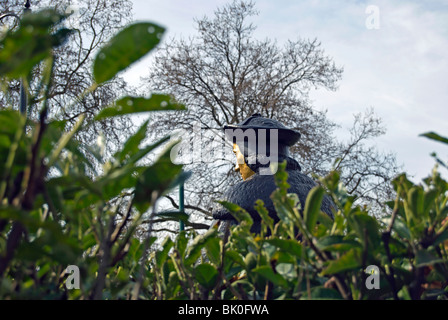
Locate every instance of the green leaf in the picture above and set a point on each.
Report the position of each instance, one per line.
(131, 146)
(194, 250)
(181, 242)
(163, 254)
(235, 257)
(126, 47)
(173, 216)
(240, 286)
(12, 140)
(415, 201)
(349, 261)
(264, 214)
(325, 220)
(281, 178)
(443, 236)
(250, 261)
(173, 285)
(241, 215)
(10, 120)
(429, 201)
(283, 204)
(206, 275)
(213, 248)
(286, 270)
(399, 227)
(64, 140)
(134, 157)
(160, 177)
(54, 131)
(118, 180)
(130, 105)
(291, 246)
(367, 229)
(269, 274)
(425, 258)
(312, 207)
(336, 243)
(434, 136)
(31, 43)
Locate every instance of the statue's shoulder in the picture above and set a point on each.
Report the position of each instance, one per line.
(259, 185)
(256, 185)
(297, 177)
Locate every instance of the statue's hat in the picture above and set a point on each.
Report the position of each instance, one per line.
(256, 122)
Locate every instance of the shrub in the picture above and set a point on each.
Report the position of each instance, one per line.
(326, 259)
(56, 216)
(62, 203)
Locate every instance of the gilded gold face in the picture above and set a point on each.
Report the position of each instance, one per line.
(241, 165)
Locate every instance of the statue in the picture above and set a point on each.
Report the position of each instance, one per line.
(258, 143)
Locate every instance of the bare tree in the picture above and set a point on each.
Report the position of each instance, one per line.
(94, 21)
(224, 75)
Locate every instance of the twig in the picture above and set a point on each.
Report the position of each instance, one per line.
(120, 227)
(138, 284)
(221, 265)
(386, 238)
(178, 267)
(187, 206)
(30, 183)
(106, 245)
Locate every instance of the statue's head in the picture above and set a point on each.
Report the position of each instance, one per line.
(259, 142)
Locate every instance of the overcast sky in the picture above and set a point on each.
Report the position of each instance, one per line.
(399, 67)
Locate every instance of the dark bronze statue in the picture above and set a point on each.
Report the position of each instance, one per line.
(259, 144)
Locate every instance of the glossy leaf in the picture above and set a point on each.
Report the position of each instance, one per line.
(158, 178)
(312, 207)
(286, 270)
(125, 48)
(194, 250)
(291, 246)
(31, 42)
(241, 215)
(235, 257)
(131, 105)
(337, 243)
(269, 274)
(399, 227)
(206, 275)
(132, 145)
(264, 214)
(349, 261)
(367, 230)
(213, 248)
(425, 258)
(436, 137)
(172, 216)
(181, 242)
(162, 255)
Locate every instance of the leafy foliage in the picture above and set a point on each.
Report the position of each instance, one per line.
(53, 214)
(314, 257)
(92, 24)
